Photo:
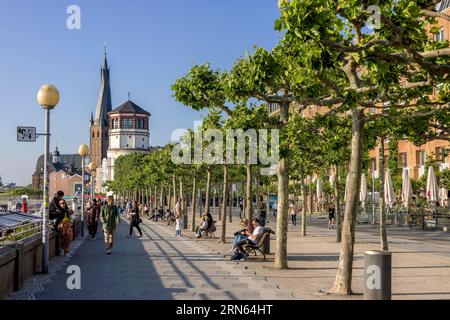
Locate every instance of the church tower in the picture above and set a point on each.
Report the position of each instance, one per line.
(99, 124)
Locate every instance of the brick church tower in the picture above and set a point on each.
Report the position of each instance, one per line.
(99, 125)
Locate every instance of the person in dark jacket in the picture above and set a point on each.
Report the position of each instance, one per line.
(56, 212)
(92, 218)
(135, 219)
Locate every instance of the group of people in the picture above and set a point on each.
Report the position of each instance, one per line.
(60, 212)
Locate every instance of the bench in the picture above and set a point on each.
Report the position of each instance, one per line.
(209, 233)
(255, 248)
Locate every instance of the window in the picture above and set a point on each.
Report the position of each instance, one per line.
(403, 160)
(115, 123)
(139, 123)
(420, 157)
(93, 135)
(374, 164)
(98, 134)
(127, 123)
(439, 36)
(440, 154)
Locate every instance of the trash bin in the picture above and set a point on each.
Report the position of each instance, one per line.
(266, 244)
(377, 275)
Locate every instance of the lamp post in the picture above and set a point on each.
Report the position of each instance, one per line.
(83, 151)
(48, 98)
(92, 168)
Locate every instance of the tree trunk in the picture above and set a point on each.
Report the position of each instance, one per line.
(208, 190)
(258, 199)
(338, 205)
(248, 194)
(200, 204)
(303, 190)
(383, 235)
(310, 197)
(343, 281)
(230, 202)
(224, 204)
(283, 198)
(174, 188)
(161, 195)
(194, 203)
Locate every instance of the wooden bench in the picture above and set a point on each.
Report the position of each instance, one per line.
(255, 248)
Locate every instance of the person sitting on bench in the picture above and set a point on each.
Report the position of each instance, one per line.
(208, 222)
(252, 238)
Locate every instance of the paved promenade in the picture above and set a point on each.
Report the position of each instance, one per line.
(156, 266)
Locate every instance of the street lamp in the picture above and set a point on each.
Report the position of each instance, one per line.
(48, 98)
(92, 168)
(83, 151)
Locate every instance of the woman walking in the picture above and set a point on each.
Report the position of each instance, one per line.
(135, 219)
(178, 218)
(293, 213)
(65, 227)
(92, 219)
(331, 212)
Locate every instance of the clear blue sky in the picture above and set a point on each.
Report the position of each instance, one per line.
(150, 43)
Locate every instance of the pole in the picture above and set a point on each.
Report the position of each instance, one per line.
(82, 196)
(92, 186)
(373, 198)
(45, 218)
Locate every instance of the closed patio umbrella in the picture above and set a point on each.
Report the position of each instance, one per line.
(389, 194)
(431, 186)
(407, 191)
(363, 191)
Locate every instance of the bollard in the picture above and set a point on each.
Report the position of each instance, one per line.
(377, 275)
(185, 222)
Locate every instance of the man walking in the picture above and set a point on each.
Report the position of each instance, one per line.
(109, 216)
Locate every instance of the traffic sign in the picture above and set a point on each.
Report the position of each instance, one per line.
(26, 134)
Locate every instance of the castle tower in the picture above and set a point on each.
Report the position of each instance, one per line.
(129, 132)
(99, 125)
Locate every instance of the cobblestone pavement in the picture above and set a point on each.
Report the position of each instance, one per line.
(156, 266)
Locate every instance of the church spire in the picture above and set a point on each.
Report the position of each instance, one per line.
(104, 100)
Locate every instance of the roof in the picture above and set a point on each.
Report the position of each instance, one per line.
(71, 163)
(130, 107)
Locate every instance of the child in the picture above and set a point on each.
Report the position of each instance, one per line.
(178, 225)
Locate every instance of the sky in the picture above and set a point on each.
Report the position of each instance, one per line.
(150, 43)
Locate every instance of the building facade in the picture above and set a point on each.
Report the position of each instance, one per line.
(128, 133)
(70, 184)
(69, 164)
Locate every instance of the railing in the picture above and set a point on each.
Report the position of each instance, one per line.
(19, 232)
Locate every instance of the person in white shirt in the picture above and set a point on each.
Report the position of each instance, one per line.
(252, 238)
(178, 218)
(275, 208)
